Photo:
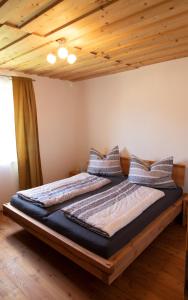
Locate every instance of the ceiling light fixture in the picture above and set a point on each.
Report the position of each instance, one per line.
(62, 52)
(51, 58)
(71, 58)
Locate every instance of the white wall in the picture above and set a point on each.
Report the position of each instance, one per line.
(58, 124)
(144, 111)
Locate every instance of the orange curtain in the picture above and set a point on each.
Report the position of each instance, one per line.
(27, 142)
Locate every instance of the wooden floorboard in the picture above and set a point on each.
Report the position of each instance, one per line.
(29, 269)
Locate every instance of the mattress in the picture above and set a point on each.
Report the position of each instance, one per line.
(54, 218)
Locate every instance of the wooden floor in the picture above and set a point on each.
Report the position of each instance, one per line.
(31, 270)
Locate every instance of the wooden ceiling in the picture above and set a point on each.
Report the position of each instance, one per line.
(108, 36)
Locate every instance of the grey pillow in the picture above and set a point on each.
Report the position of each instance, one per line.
(108, 165)
(159, 174)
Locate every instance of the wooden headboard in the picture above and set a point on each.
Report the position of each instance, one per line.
(178, 170)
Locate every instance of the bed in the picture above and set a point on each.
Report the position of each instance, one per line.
(104, 258)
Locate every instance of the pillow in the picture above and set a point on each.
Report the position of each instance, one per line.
(108, 165)
(156, 175)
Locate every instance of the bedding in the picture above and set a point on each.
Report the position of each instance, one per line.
(55, 219)
(109, 211)
(36, 211)
(158, 174)
(63, 190)
(108, 165)
(102, 245)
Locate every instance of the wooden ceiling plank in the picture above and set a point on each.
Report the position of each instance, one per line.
(75, 32)
(146, 63)
(2, 2)
(105, 65)
(27, 44)
(96, 42)
(70, 9)
(100, 19)
(157, 42)
(115, 69)
(112, 67)
(155, 13)
(74, 68)
(173, 37)
(78, 64)
(7, 11)
(102, 44)
(45, 6)
(130, 63)
(37, 59)
(170, 7)
(152, 2)
(138, 59)
(18, 12)
(9, 35)
(153, 50)
(175, 55)
(97, 62)
(112, 36)
(29, 55)
(168, 36)
(45, 67)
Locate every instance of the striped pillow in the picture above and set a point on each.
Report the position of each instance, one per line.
(156, 175)
(105, 165)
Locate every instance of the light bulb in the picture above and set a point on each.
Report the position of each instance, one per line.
(71, 58)
(51, 58)
(62, 52)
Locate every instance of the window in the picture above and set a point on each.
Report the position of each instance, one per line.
(7, 127)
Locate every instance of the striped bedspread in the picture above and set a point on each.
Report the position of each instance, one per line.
(59, 191)
(111, 210)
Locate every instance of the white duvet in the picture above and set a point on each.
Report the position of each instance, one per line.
(108, 212)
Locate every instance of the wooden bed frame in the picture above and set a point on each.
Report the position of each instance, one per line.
(106, 270)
